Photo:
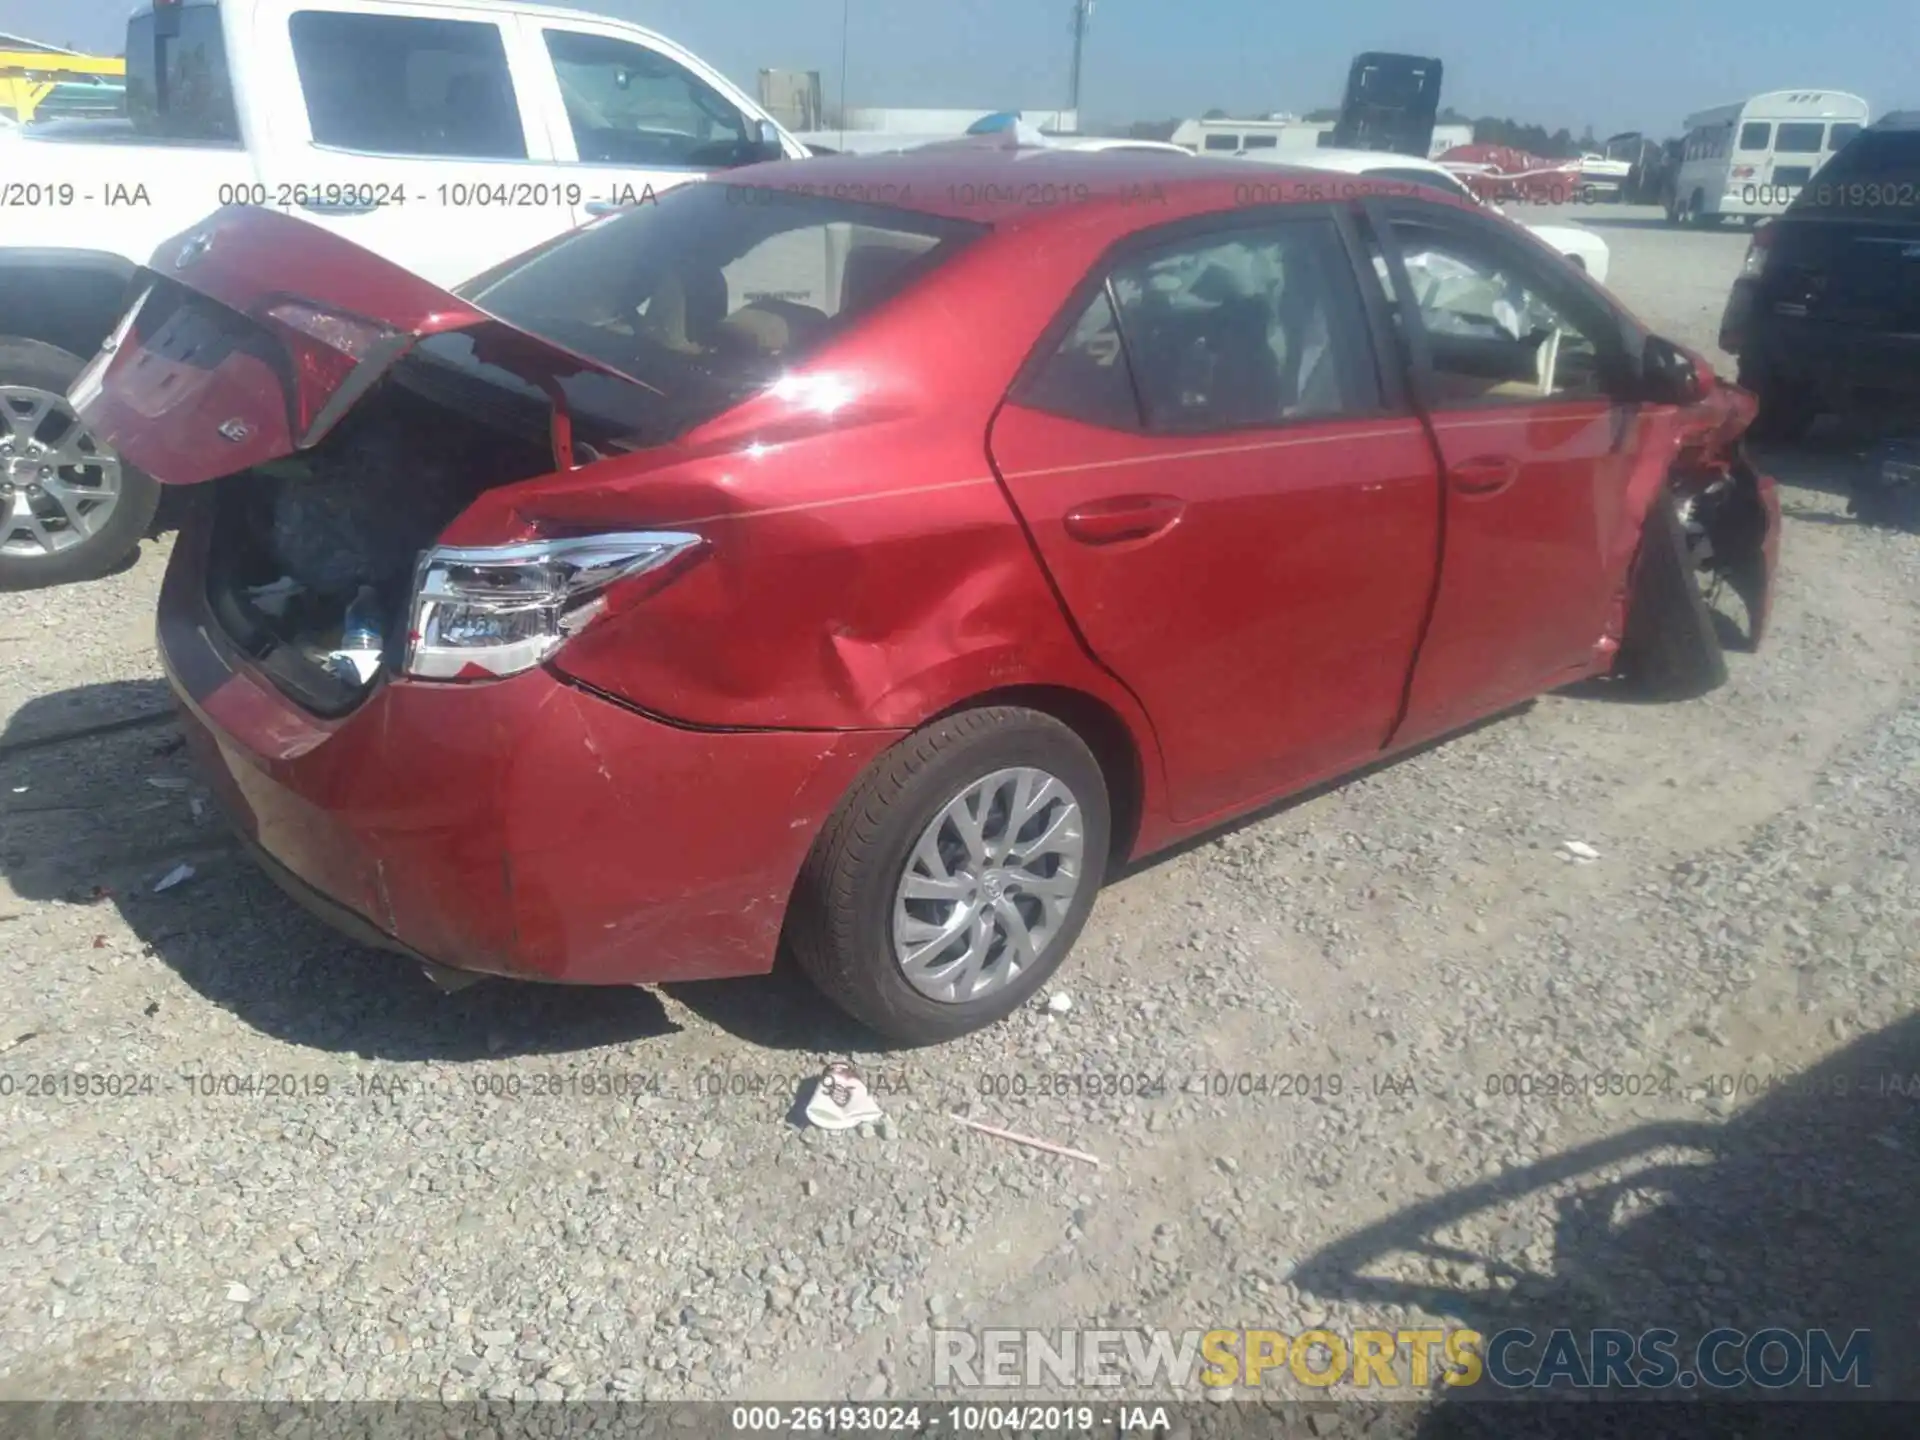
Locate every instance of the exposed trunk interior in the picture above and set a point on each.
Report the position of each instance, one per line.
(294, 540)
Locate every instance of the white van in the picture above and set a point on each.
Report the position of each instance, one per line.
(1751, 159)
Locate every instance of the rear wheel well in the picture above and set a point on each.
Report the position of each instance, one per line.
(1104, 732)
(73, 309)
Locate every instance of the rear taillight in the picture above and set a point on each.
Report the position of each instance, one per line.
(483, 612)
(1757, 249)
(334, 355)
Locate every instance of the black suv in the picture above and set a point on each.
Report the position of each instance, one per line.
(1825, 315)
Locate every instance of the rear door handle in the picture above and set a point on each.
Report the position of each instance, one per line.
(1125, 517)
(1488, 475)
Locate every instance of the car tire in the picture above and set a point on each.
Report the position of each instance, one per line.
(34, 366)
(1670, 649)
(851, 895)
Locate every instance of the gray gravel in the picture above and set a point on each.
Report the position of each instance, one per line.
(531, 1194)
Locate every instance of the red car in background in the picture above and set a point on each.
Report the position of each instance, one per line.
(874, 552)
(1500, 172)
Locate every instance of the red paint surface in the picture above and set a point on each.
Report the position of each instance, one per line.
(1310, 598)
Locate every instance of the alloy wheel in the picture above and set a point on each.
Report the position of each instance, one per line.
(58, 485)
(988, 885)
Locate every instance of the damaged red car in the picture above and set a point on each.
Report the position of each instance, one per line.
(869, 555)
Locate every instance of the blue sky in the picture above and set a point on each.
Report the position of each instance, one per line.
(1627, 64)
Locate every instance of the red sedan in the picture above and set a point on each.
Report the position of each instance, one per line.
(871, 553)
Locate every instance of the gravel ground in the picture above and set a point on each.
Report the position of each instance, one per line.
(526, 1193)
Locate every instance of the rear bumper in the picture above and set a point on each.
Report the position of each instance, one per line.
(1834, 360)
(523, 827)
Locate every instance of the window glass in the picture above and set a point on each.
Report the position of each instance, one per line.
(1802, 137)
(1755, 135)
(1263, 142)
(1087, 378)
(706, 299)
(404, 85)
(1221, 142)
(1247, 327)
(1493, 331)
(628, 105)
(178, 87)
(1841, 133)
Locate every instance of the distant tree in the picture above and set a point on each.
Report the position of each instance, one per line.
(1152, 129)
(1324, 113)
(1214, 114)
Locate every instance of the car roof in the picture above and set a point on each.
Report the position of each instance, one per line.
(1898, 120)
(1360, 161)
(1026, 186)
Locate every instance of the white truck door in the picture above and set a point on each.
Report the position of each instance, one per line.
(409, 129)
(631, 115)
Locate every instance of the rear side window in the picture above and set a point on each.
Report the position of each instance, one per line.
(178, 87)
(1755, 135)
(1799, 138)
(1221, 142)
(1242, 328)
(1263, 142)
(404, 85)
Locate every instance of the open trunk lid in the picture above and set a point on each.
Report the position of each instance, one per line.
(255, 332)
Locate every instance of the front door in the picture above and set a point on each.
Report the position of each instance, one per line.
(1239, 516)
(1523, 371)
(630, 120)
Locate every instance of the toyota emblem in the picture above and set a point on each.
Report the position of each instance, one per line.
(235, 430)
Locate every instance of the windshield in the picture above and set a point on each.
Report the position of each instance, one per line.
(709, 293)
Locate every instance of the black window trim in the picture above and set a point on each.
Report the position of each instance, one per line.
(1394, 400)
(1562, 284)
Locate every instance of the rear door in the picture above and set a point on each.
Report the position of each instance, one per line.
(629, 118)
(1235, 504)
(413, 134)
(1524, 372)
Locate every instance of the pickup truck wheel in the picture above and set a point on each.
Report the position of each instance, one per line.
(69, 509)
(1670, 650)
(955, 875)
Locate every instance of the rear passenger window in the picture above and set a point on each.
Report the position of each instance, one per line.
(1755, 135)
(403, 85)
(1087, 377)
(1245, 328)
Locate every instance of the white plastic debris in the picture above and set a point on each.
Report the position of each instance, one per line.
(173, 877)
(1582, 852)
(841, 1100)
(1059, 1002)
(238, 1293)
(356, 667)
(272, 598)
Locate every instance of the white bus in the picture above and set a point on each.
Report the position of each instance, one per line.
(1751, 159)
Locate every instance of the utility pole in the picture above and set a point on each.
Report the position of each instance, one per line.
(1082, 12)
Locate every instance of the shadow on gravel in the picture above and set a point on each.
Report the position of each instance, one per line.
(1802, 1211)
(83, 823)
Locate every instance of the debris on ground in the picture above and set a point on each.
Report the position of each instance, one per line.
(840, 1099)
(1028, 1140)
(174, 877)
(1581, 852)
(1060, 1002)
(167, 782)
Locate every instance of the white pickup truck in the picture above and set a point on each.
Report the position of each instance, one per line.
(446, 135)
